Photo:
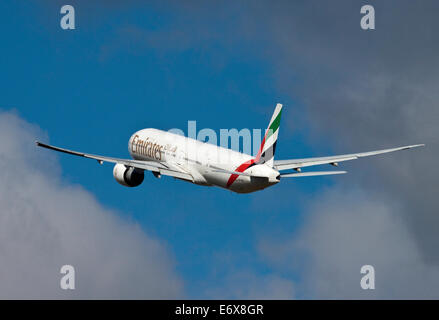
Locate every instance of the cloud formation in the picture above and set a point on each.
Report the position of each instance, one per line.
(358, 90)
(363, 90)
(46, 223)
(244, 284)
(345, 230)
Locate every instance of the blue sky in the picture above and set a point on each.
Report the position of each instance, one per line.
(130, 67)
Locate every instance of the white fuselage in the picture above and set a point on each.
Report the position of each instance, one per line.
(200, 160)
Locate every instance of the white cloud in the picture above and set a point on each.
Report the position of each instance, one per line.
(245, 284)
(345, 230)
(46, 223)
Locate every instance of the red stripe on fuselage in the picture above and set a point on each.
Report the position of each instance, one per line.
(247, 164)
(241, 168)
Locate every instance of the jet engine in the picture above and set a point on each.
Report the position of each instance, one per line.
(128, 176)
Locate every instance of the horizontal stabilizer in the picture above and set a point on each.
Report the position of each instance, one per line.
(308, 174)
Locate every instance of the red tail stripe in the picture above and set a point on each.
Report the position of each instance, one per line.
(247, 164)
(241, 168)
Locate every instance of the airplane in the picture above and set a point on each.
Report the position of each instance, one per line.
(201, 163)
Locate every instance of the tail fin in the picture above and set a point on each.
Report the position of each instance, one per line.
(268, 145)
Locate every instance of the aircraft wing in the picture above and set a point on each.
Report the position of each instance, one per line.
(158, 167)
(334, 160)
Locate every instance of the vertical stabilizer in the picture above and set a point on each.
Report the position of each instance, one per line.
(268, 145)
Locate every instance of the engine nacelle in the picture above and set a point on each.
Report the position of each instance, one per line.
(128, 176)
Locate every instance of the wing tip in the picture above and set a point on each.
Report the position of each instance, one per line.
(416, 146)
